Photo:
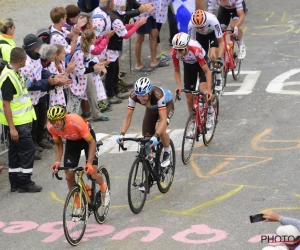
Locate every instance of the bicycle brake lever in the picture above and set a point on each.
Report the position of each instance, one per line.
(122, 147)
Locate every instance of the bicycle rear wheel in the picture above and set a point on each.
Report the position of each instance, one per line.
(225, 73)
(100, 211)
(137, 186)
(209, 134)
(75, 216)
(188, 140)
(237, 62)
(166, 174)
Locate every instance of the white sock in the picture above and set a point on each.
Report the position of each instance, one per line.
(167, 149)
(210, 109)
(241, 42)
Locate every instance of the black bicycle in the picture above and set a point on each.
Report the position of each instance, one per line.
(82, 201)
(143, 175)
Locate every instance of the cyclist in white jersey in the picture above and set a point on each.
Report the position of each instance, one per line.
(206, 29)
(192, 55)
(231, 9)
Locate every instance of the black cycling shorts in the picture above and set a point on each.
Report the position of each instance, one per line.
(152, 116)
(207, 41)
(224, 15)
(190, 72)
(73, 151)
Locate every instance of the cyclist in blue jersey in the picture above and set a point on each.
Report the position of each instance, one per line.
(159, 110)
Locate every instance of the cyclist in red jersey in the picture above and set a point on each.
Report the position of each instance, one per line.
(192, 54)
(79, 136)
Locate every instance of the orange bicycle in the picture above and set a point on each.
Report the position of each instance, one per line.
(231, 60)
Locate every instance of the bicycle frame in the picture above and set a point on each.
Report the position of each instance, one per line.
(228, 55)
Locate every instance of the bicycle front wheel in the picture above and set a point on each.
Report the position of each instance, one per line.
(237, 62)
(209, 133)
(137, 186)
(101, 211)
(75, 216)
(188, 140)
(166, 174)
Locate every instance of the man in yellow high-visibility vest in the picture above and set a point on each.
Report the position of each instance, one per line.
(17, 112)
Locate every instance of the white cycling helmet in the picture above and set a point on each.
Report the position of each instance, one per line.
(180, 40)
(143, 86)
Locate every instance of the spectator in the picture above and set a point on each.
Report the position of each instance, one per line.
(39, 82)
(87, 72)
(172, 23)
(72, 13)
(148, 28)
(21, 146)
(59, 16)
(290, 227)
(115, 45)
(200, 4)
(48, 55)
(7, 29)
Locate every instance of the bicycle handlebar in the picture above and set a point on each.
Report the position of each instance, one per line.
(66, 168)
(140, 139)
(194, 92)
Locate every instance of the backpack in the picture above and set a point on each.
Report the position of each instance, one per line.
(69, 56)
(45, 34)
(95, 15)
(2, 42)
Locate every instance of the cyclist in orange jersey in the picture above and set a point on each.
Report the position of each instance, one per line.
(79, 136)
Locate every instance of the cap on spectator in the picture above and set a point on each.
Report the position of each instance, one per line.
(31, 42)
(72, 11)
(47, 50)
(288, 230)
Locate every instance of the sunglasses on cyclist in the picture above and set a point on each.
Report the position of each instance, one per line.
(200, 27)
(179, 50)
(56, 122)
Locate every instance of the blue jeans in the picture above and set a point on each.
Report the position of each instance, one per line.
(21, 156)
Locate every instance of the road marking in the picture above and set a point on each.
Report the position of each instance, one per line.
(247, 85)
(258, 139)
(209, 203)
(216, 170)
(277, 84)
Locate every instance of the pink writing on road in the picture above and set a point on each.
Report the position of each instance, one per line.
(154, 232)
(200, 229)
(20, 227)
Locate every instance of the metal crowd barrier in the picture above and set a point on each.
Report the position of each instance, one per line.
(3, 141)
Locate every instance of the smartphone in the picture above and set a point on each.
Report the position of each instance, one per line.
(256, 218)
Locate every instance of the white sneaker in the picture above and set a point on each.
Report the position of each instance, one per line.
(105, 198)
(142, 189)
(242, 53)
(210, 121)
(166, 160)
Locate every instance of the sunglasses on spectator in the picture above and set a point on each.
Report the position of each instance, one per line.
(179, 50)
(56, 122)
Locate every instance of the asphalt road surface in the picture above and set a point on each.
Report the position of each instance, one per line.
(251, 165)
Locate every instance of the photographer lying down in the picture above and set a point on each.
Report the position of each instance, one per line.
(290, 227)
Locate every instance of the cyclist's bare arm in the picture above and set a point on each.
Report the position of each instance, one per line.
(221, 47)
(207, 73)
(200, 4)
(177, 77)
(92, 150)
(127, 120)
(59, 148)
(162, 124)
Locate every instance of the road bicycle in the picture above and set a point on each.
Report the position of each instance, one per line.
(82, 201)
(143, 175)
(196, 124)
(230, 58)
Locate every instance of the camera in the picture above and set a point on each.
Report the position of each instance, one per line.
(256, 218)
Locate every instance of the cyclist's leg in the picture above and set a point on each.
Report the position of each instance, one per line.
(190, 82)
(223, 17)
(235, 19)
(71, 160)
(214, 44)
